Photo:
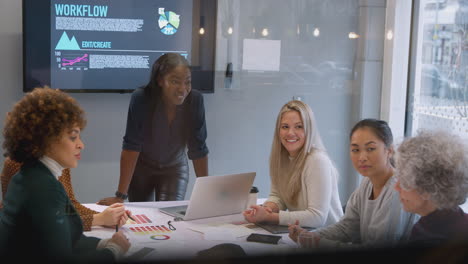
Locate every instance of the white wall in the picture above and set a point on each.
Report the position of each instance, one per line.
(324, 71)
(11, 58)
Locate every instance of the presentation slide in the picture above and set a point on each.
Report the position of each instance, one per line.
(102, 44)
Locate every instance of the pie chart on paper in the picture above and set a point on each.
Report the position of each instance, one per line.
(168, 22)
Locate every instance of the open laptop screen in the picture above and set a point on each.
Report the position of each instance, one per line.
(216, 196)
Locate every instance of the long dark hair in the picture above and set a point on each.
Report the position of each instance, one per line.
(162, 66)
(380, 128)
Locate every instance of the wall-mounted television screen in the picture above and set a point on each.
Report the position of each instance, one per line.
(110, 45)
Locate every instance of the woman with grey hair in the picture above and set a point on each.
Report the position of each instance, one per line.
(304, 181)
(433, 182)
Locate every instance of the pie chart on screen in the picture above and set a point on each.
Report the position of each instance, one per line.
(168, 22)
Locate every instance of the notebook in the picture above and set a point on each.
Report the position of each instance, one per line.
(215, 196)
(278, 229)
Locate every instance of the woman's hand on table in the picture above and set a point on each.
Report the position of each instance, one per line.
(110, 200)
(295, 230)
(301, 236)
(257, 214)
(113, 215)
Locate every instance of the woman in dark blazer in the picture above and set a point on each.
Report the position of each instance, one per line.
(38, 219)
(433, 182)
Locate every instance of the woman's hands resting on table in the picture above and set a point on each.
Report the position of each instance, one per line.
(112, 216)
(258, 214)
(295, 230)
(303, 237)
(268, 212)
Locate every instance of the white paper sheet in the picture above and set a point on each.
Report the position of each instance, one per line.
(261, 55)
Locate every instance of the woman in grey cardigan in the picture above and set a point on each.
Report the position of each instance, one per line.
(374, 216)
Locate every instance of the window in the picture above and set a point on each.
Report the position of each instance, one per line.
(438, 95)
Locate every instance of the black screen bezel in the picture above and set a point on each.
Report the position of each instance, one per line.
(36, 47)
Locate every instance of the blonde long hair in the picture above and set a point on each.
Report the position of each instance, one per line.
(286, 173)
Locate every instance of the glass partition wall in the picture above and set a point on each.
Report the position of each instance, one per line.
(326, 53)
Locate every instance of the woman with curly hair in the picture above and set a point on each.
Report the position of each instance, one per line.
(433, 182)
(43, 133)
(304, 180)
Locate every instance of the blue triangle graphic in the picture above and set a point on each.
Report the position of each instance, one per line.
(66, 44)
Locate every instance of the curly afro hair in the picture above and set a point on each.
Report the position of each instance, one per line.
(38, 118)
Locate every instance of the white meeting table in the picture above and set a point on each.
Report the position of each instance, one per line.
(189, 237)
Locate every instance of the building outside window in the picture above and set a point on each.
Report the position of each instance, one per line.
(438, 95)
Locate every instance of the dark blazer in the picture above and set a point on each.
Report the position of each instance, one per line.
(38, 218)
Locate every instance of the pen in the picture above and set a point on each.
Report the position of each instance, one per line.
(131, 218)
(117, 225)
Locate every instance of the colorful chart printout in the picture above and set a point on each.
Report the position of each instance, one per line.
(150, 230)
(160, 237)
(139, 219)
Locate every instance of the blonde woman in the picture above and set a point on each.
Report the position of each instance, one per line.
(304, 184)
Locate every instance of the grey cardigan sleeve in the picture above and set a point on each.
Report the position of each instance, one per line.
(347, 230)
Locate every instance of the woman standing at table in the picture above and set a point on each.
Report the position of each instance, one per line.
(373, 216)
(164, 118)
(433, 182)
(38, 219)
(303, 178)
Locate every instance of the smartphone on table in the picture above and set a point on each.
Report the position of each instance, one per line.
(263, 238)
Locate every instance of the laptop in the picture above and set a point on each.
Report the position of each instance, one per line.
(215, 196)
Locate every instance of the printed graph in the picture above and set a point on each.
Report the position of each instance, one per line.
(139, 219)
(155, 232)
